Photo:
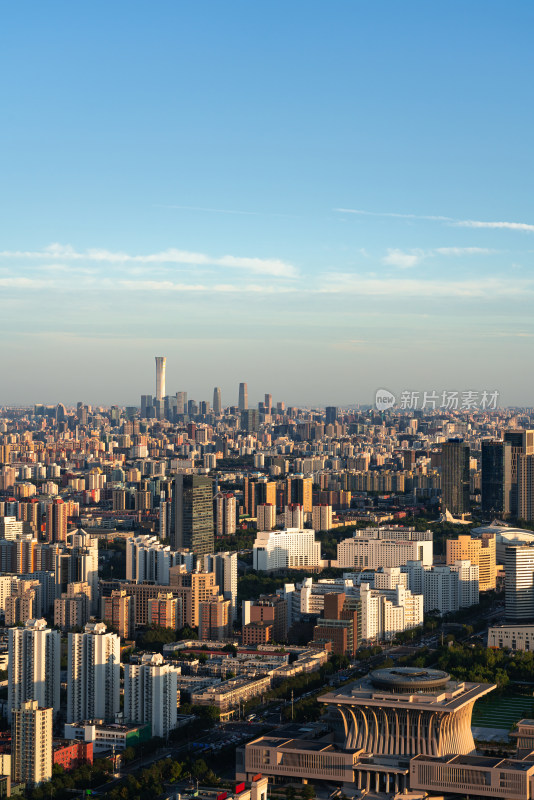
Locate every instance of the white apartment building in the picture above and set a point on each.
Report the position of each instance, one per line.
(93, 674)
(292, 548)
(224, 566)
(358, 553)
(445, 589)
(147, 559)
(468, 583)
(151, 693)
(33, 666)
(390, 578)
(84, 558)
(386, 613)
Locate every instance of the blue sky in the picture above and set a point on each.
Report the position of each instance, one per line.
(317, 198)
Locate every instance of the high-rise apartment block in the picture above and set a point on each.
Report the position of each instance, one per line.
(193, 588)
(322, 517)
(34, 666)
(151, 694)
(258, 491)
(93, 674)
(73, 608)
(224, 567)
(480, 552)
(300, 490)
(31, 744)
(193, 506)
(455, 477)
(266, 516)
(215, 619)
(56, 521)
(165, 610)
(224, 513)
(118, 612)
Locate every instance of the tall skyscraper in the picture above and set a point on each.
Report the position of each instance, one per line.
(250, 420)
(243, 396)
(455, 477)
(496, 465)
(160, 378)
(181, 403)
(268, 403)
(93, 674)
(217, 406)
(146, 406)
(31, 744)
(193, 510)
(34, 666)
(525, 487)
(151, 693)
(331, 415)
(522, 443)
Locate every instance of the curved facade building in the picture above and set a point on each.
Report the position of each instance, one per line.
(407, 712)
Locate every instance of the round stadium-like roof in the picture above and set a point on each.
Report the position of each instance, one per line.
(409, 679)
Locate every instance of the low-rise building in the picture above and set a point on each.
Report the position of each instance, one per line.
(107, 737)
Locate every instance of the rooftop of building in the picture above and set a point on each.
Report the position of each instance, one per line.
(490, 762)
(408, 687)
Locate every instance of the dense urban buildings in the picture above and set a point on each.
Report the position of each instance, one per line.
(282, 538)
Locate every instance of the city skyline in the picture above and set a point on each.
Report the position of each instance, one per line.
(353, 184)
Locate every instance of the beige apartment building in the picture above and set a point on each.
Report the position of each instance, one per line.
(480, 552)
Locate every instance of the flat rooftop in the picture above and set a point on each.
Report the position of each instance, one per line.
(489, 762)
(447, 697)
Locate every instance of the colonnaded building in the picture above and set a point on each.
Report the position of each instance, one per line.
(379, 724)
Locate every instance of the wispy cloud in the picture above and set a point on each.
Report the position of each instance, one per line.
(461, 223)
(511, 226)
(260, 266)
(391, 214)
(405, 259)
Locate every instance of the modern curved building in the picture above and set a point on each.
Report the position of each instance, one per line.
(407, 711)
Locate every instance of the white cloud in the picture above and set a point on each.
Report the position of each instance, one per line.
(259, 266)
(462, 251)
(399, 258)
